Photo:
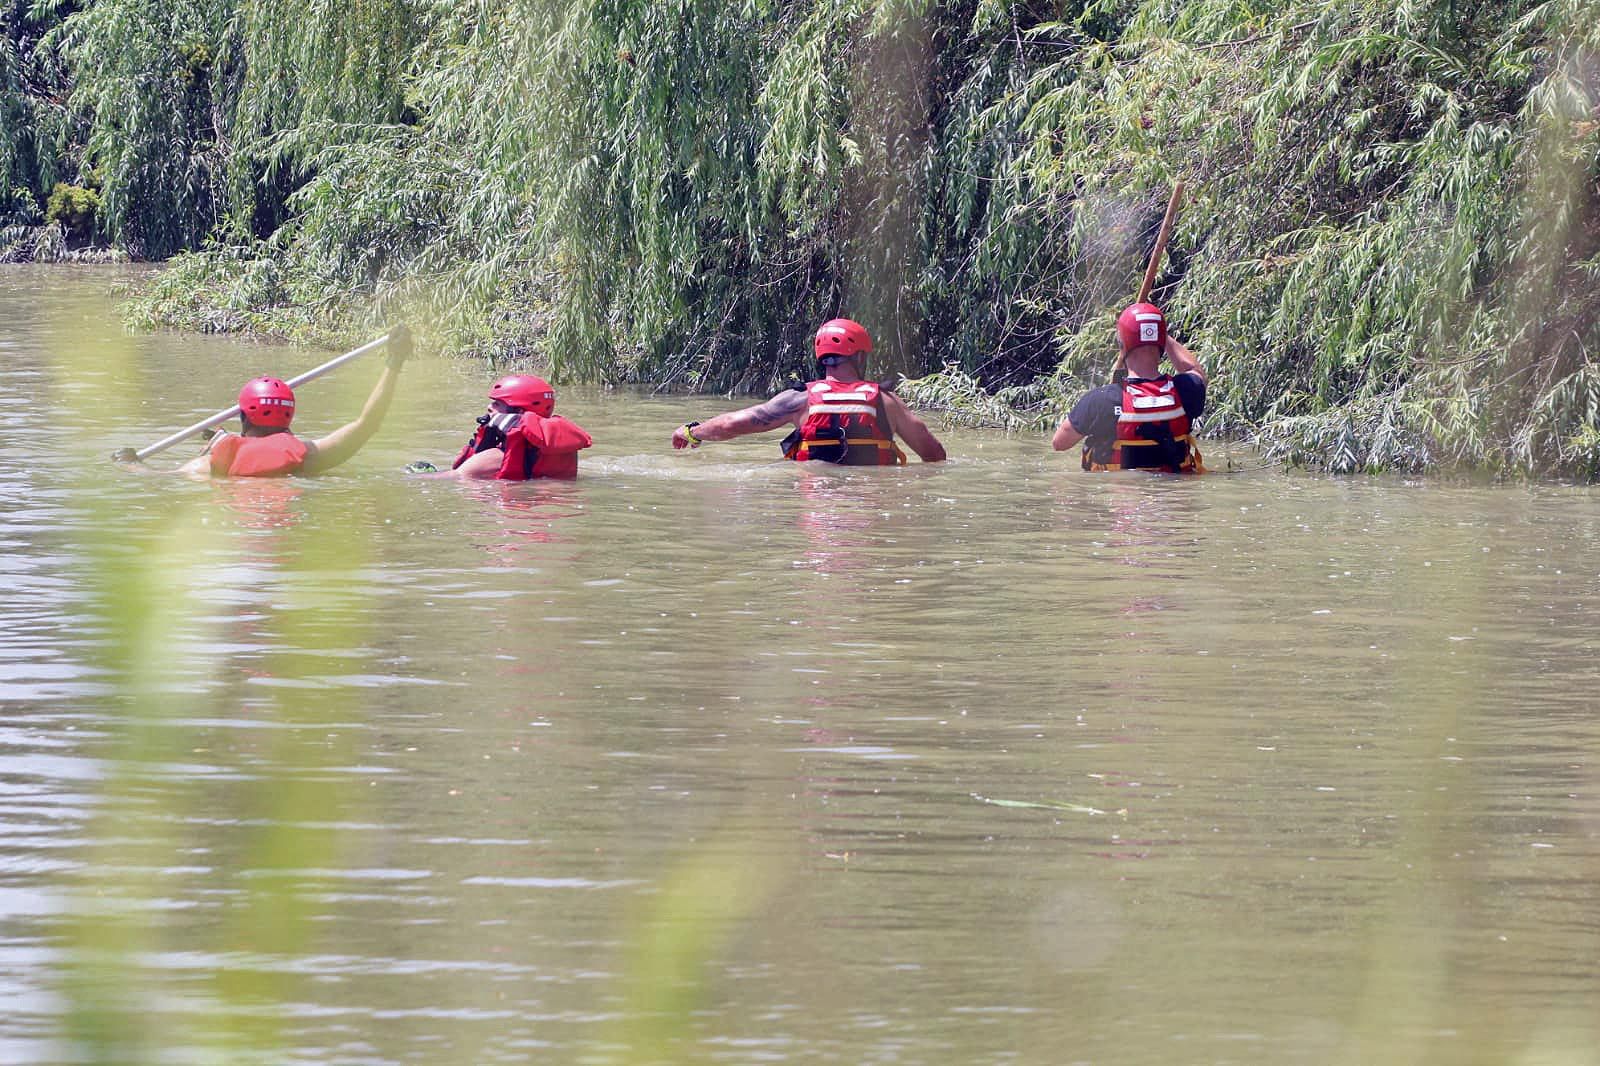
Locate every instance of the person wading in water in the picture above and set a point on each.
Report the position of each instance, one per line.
(519, 438)
(1146, 421)
(265, 446)
(839, 418)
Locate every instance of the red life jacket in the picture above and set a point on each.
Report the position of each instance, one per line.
(534, 446)
(1152, 431)
(846, 423)
(275, 455)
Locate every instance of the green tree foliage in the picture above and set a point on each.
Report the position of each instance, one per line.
(34, 120)
(1386, 259)
(147, 84)
(312, 75)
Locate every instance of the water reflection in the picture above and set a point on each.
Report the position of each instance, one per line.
(515, 515)
(262, 505)
(836, 523)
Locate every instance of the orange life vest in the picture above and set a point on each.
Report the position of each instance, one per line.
(275, 455)
(846, 423)
(1152, 420)
(534, 446)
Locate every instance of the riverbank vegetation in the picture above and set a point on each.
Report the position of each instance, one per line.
(1387, 258)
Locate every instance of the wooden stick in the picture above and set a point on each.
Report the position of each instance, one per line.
(1161, 244)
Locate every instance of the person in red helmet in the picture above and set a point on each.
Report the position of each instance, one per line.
(519, 438)
(1146, 421)
(266, 447)
(839, 418)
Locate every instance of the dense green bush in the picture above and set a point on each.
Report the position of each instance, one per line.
(77, 209)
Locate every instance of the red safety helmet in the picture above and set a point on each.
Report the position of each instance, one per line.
(841, 336)
(525, 392)
(1141, 324)
(267, 402)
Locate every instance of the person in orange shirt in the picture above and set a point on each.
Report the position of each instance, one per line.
(266, 447)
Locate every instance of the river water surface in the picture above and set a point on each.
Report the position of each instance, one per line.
(709, 758)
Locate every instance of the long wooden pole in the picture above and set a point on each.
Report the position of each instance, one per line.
(1154, 268)
(222, 416)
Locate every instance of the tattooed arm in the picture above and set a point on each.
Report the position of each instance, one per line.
(786, 407)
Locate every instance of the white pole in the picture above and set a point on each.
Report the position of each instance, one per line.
(222, 416)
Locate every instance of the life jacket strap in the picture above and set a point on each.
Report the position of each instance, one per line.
(849, 442)
(1185, 438)
(1193, 463)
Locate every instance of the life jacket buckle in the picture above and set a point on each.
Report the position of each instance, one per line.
(819, 446)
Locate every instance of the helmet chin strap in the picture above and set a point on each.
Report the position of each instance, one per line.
(829, 362)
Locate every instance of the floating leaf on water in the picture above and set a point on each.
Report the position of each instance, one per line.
(1044, 806)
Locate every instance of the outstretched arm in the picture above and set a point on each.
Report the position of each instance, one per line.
(344, 442)
(198, 468)
(787, 406)
(207, 464)
(913, 430)
(482, 466)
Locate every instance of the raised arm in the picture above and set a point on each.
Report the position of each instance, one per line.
(337, 447)
(1183, 360)
(911, 429)
(787, 406)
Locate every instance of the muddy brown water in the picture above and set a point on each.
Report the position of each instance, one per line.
(709, 758)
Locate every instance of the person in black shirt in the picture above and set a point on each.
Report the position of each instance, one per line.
(1144, 422)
